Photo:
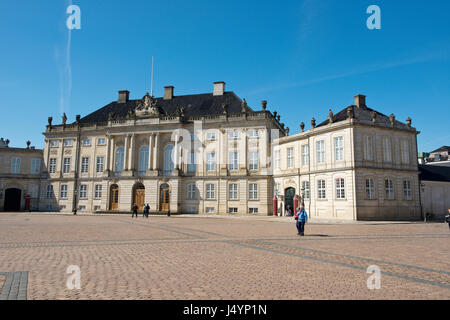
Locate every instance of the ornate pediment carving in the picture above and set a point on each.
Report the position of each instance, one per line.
(147, 107)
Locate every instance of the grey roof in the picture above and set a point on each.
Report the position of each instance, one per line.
(434, 173)
(364, 113)
(442, 149)
(196, 105)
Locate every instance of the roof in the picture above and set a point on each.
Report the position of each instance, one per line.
(195, 105)
(434, 173)
(364, 113)
(442, 149)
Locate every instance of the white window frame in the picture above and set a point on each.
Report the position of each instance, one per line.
(404, 147)
(84, 164)
(339, 148)
(192, 165)
(63, 191)
(232, 210)
(54, 143)
(290, 157)
(210, 191)
(52, 165)
(321, 189)
(253, 191)
(211, 136)
(389, 189)
(98, 191)
(192, 192)
(305, 155)
(100, 164)
(66, 164)
(368, 148)
(233, 134)
(277, 159)
(233, 191)
(306, 187)
(67, 142)
(86, 142)
(234, 161)
(210, 161)
(320, 151)
(253, 160)
(407, 191)
(101, 141)
(340, 188)
(143, 158)
(253, 210)
(50, 192)
(253, 133)
(370, 189)
(15, 165)
(387, 149)
(35, 166)
(83, 191)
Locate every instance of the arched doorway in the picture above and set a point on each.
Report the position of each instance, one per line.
(12, 199)
(289, 194)
(164, 201)
(139, 196)
(114, 197)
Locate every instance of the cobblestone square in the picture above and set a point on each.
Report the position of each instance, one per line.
(195, 257)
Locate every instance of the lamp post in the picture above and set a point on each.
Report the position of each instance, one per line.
(303, 196)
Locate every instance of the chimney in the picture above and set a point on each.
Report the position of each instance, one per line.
(219, 88)
(168, 93)
(124, 95)
(360, 100)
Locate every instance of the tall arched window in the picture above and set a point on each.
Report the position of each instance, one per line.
(119, 159)
(143, 159)
(168, 159)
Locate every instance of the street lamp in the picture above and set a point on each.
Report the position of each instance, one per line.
(303, 196)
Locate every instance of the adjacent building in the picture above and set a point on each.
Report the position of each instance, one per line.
(20, 177)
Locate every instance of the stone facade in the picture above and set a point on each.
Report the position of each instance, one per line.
(20, 177)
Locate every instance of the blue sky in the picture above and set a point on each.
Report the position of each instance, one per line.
(304, 57)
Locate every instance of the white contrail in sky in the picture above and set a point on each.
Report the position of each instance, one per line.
(65, 73)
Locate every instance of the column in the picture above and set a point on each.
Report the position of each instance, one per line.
(125, 153)
(155, 158)
(132, 152)
(150, 151)
(111, 158)
(108, 153)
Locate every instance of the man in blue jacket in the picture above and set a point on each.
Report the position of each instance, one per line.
(302, 218)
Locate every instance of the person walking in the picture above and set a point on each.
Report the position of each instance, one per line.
(447, 218)
(146, 210)
(302, 217)
(135, 211)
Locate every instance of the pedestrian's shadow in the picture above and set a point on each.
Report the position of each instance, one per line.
(317, 235)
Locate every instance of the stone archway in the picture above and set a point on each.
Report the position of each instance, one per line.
(289, 194)
(13, 198)
(114, 197)
(164, 197)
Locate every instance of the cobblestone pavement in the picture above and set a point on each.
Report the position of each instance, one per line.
(205, 258)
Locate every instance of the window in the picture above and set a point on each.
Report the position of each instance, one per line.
(52, 165)
(210, 191)
(404, 145)
(233, 191)
(54, 143)
(192, 166)
(253, 210)
(101, 141)
(321, 194)
(98, 191)
(63, 191)
(305, 189)
(143, 159)
(370, 189)
(339, 148)
(277, 160)
(368, 148)
(340, 188)
(407, 190)
(209, 209)
(233, 165)
(191, 192)
(50, 193)
(253, 133)
(320, 148)
(15, 165)
(290, 158)
(83, 191)
(277, 189)
(211, 136)
(35, 166)
(305, 155)
(99, 166)
(233, 134)
(253, 161)
(67, 142)
(210, 161)
(82, 208)
(86, 142)
(389, 188)
(387, 150)
(66, 165)
(84, 165)
(96, 208)
(253, 191)
(119, 159)
(232, 210)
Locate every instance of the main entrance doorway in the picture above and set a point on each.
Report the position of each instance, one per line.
(289, 194)
(114, 197)
(12, 199)
(164, 197)
(139, 196)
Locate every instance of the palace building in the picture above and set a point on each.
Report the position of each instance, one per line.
(213, 154)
